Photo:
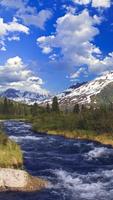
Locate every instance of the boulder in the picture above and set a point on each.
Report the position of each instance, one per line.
(12, 178)
(19, 180)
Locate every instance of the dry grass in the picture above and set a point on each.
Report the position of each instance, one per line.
(105, 138)
(10, 153)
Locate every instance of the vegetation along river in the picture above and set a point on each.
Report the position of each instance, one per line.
(76, 169)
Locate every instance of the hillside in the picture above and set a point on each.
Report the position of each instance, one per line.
(96, 92)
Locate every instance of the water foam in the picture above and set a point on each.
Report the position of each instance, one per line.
(89, 186)
(99, 152)
(20, 138)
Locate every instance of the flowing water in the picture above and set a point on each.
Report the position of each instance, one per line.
(76, 169)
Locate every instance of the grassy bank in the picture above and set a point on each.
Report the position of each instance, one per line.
(10, 153)
(11, 157)
(88, 124)
(105, 138)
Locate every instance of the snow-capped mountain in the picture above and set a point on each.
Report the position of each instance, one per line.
(97, 91)
(23, 96)
(94, 92)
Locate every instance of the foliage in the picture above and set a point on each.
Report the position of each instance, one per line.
(48, 118)
(55, 106)
(99, 120)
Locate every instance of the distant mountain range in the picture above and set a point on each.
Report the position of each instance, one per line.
(23, 96)
(95, 92)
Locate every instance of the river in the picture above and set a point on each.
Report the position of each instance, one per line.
(76, 169)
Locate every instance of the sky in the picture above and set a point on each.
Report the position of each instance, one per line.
(48, 45)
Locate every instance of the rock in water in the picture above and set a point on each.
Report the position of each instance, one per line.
(13, 179)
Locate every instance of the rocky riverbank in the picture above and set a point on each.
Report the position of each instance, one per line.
(19, 180)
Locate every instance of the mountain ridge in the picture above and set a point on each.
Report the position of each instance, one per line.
(87, 93)
(23, 96)
(93, 92)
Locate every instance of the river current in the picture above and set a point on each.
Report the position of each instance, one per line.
(76, 169)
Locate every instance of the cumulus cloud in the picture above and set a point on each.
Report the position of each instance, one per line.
(36, 19)
(9, 28)
(14, 26)
(14, 74)
(74, 37)
(28, 14)
(94, 3)
(101, 3)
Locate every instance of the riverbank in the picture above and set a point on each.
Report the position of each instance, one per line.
(105, 138)
(10, 152)
(12, 178)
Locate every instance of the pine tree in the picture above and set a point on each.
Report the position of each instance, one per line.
(5, 106)
(48, 109)
(83, 108)
(34, 109)
(55, 105)
(76, 108)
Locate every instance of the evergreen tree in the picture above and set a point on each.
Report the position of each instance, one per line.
(34, 109)
(5, 106)
(48, 109)
(76, 108)
(83, 108)
(55, 105)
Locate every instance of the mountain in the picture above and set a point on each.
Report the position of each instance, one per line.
(96, 92)
(23, 96)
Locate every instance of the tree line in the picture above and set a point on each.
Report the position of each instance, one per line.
(99, 119)
(51, 117)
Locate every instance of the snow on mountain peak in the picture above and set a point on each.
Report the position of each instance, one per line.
(84, 93)
(23, 96)
(81, 93)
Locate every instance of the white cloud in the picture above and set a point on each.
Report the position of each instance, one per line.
(94, 3)
(14, 26)
(101, 65)
(14, 74)
(46, 50)
(36, 19)
(2, 45)
(77, 74)
(28, 14)
(10, 28)
(13, 4)
(82, 2)
(101, 3)
(53, 57)
(74, 37)
(46, 43)
(14, 38)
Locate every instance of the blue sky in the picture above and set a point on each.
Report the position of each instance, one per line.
(48, 45)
